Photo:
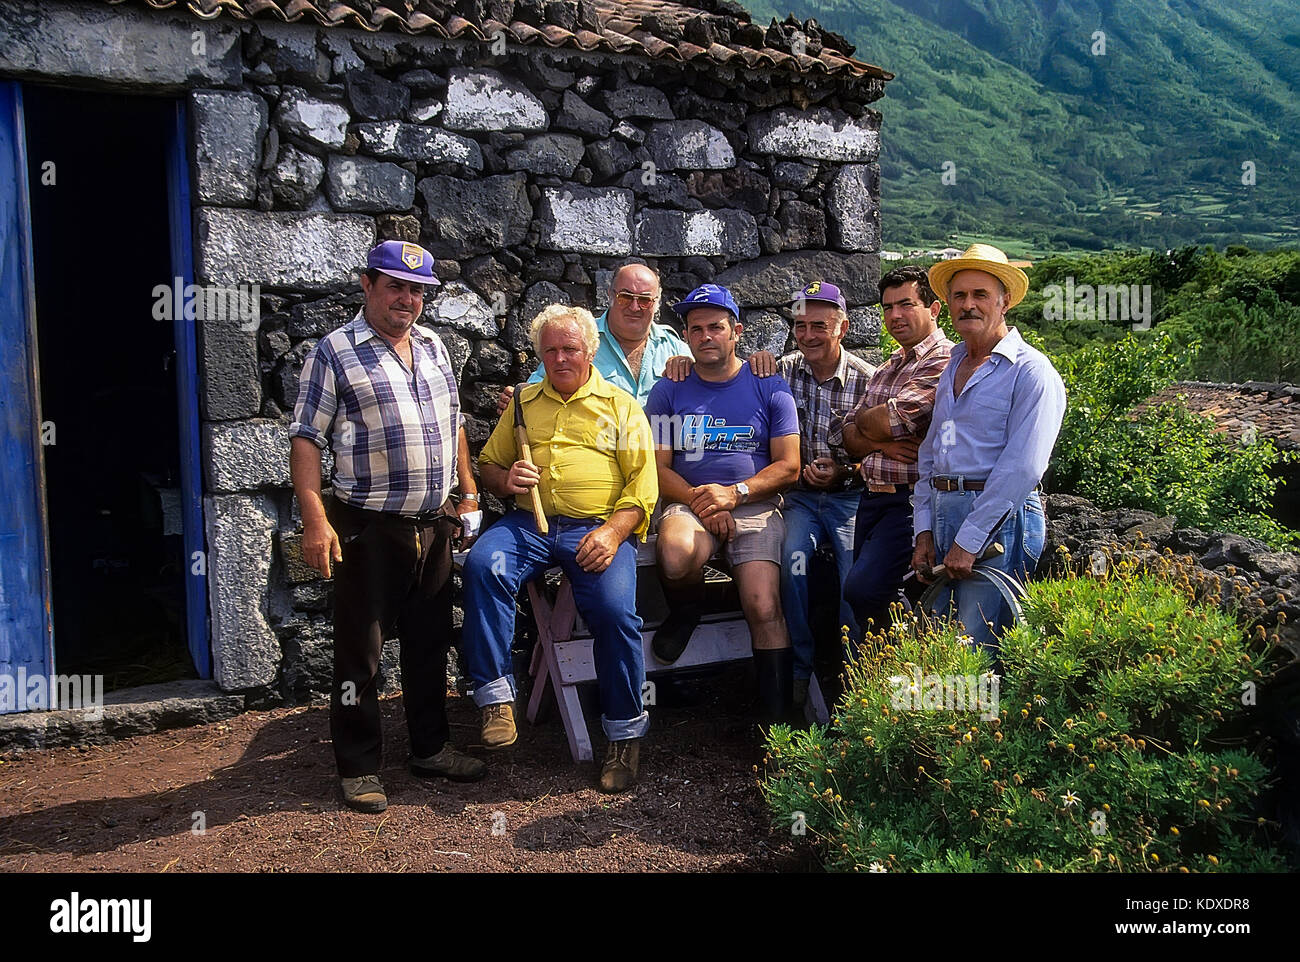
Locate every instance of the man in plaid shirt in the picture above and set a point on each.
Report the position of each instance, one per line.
(381, 394)
(827, 383)
(886, 430)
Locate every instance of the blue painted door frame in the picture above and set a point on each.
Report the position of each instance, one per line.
(26, 628)
(26, 631)
(187, 395)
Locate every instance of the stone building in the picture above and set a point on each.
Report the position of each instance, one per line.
(187, 191)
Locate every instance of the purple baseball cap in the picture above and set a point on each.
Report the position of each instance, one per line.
(708, 295)
(405, 261)
(821, 291)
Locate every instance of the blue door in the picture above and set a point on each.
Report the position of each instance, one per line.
(26, 632)
(26, 629)
(187, 393)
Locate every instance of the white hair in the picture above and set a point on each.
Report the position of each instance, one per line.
(558, 313)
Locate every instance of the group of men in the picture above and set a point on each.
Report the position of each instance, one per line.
(934, 455)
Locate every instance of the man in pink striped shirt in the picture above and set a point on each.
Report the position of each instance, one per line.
(886, 430)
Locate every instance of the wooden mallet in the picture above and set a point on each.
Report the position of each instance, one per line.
(526, 453)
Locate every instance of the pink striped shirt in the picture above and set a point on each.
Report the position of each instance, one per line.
(906, 384)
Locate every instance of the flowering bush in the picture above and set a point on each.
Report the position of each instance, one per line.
(1106, 749)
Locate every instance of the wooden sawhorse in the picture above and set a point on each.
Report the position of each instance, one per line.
(563, 660)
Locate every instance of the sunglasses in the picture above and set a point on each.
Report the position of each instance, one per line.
(628, 299)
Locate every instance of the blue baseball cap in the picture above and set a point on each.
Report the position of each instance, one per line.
(405, 261)
(708, 295)
(821, 291)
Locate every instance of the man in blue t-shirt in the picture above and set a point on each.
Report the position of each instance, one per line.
(727, 445)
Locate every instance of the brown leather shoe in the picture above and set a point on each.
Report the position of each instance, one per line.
(364, 793)
(499, 725)
(449, 764)
(621, 760)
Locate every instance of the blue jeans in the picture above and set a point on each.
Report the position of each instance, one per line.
(882, 553)
(811, 519)
(511, 553)
(1022, 534)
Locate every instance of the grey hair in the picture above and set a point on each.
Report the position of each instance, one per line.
(556, 313)
(800, 308)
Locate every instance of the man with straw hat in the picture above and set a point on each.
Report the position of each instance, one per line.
(997, 411)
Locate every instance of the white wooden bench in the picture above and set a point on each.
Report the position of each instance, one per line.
(563, 657)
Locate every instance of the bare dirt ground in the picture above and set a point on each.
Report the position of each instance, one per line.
(263, 788)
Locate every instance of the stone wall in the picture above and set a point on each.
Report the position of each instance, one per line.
(529, 175)
(1264, 582)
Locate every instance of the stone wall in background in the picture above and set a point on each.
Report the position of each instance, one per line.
(530, 176)
(1264, 582)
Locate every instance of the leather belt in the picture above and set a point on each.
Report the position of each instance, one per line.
(423, 518)
(881, 487)
(956, 484)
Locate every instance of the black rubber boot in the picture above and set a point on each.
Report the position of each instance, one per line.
(775, 669)
(685, 606)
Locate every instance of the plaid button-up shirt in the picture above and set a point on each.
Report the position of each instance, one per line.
(823, 407)
(906, 384)
(392, 429)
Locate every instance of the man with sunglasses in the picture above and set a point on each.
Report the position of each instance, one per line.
(633, 348)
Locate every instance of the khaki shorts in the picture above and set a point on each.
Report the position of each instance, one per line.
(760, 531)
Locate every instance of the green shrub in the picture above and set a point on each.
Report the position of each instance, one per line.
(1102, 755)
(1252, 341)
(1163, 458)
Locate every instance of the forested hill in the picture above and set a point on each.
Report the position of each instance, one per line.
(1056, 144)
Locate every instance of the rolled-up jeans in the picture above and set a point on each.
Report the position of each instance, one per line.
(813, 518)
(1022, 535)
(513, 552)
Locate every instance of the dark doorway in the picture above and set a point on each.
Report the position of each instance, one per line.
(96, 165)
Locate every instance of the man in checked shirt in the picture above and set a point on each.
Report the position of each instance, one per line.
(886, 430)
(380, 392)
(827, 383)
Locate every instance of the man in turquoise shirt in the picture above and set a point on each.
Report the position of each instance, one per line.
(633, 348)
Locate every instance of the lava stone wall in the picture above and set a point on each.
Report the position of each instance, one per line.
(530, 176)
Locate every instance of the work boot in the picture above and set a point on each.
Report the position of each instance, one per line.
(685, 606)
(364, 793)
(775, 669)
(621, 760)
(499, 725)
(450, 764)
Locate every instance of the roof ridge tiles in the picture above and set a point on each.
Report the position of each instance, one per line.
(656, 29)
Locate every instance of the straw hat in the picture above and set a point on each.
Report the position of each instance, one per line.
(983, 257)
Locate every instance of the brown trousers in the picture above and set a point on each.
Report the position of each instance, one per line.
(395, 573)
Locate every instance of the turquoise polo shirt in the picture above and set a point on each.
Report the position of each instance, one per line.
(611, 362)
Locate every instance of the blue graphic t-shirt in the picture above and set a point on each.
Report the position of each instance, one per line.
(720, 430)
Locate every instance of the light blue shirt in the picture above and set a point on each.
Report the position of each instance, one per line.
(1001, 431)
(662, 343)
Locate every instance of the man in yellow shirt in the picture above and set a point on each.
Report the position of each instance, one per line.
(594, 468)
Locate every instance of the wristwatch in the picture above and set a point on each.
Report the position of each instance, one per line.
(742, 489)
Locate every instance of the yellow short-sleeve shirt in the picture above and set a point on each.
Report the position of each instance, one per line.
(594, 450)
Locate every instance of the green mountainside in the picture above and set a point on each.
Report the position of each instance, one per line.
(1058, 148)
